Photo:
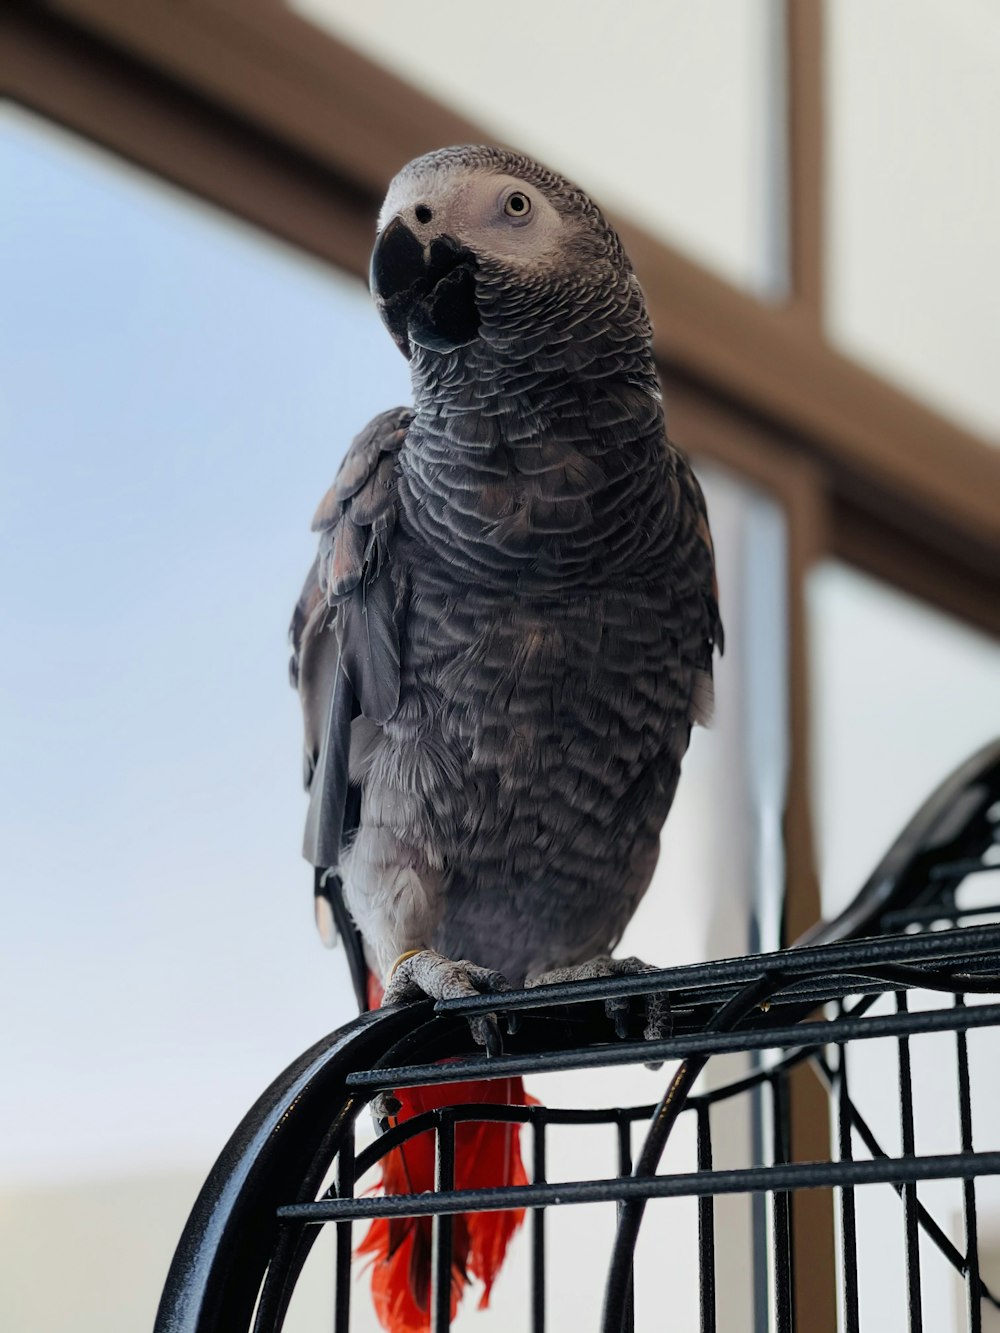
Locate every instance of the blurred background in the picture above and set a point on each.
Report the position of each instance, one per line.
(810, 194)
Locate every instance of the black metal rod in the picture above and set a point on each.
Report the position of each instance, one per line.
(931, 1228)
(781, 1208)
(624, 1171)
(426, 1122)
(282, 1273)
(927, 915)
(848, 1215)
(345, 1189)
(538, 1174)
(971, 865)
(661, 1126)
(704, 1044)
(295, 1242)
(759, 1212)
(691, 1010)
(966, 941)
(911, 1229)
(441, 1227)
(973, 1296)
(689, 1184)
(706, 1228)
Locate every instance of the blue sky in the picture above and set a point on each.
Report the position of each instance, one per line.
(176, 391)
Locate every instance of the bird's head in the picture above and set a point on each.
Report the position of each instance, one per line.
(480, 245)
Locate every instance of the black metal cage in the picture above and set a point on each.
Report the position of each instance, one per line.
(914, 959)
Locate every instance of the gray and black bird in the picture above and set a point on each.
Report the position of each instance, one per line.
(508, 631)
(509, 628)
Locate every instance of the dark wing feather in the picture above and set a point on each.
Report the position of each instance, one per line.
(693, 560)
(345, 648)
(329, 784)
(370, 647)
(705, 559)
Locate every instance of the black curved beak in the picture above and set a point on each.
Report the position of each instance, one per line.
(425, 295)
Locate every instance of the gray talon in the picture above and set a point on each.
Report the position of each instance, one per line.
(430, 973)
(659, 1023)
(618, 1007)
(486, 1032)
(617, 1010)
(385, 1107)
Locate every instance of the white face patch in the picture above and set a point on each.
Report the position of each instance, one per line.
(473, 206)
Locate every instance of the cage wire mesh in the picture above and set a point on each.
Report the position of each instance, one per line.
(894, 1005)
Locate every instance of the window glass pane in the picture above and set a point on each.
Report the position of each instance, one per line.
(913, 196)
(177, 393)
(900, 696)
(671, 113)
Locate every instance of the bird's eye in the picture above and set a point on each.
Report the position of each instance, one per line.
(517, 205)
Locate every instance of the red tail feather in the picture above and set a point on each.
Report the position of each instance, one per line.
(486, 1155)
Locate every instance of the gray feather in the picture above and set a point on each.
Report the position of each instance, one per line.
(330, 780)
(370, 647)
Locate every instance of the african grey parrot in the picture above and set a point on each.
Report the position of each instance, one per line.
(509, 627)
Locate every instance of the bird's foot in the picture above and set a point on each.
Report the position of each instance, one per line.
(429, 973)
(385, 1106)
(657, 1007)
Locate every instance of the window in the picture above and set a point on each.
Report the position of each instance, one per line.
(914, 191)
(901, 696)
(178, 392)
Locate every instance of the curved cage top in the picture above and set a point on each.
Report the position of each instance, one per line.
(915, 929)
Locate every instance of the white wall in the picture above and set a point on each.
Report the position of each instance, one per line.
(92, 1253)
(901, 695)
(913, 197)
(669, 111)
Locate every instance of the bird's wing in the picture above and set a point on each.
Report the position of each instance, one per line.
(345, 656)
(694, 559)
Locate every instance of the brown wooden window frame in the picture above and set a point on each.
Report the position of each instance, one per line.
(255, 109)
